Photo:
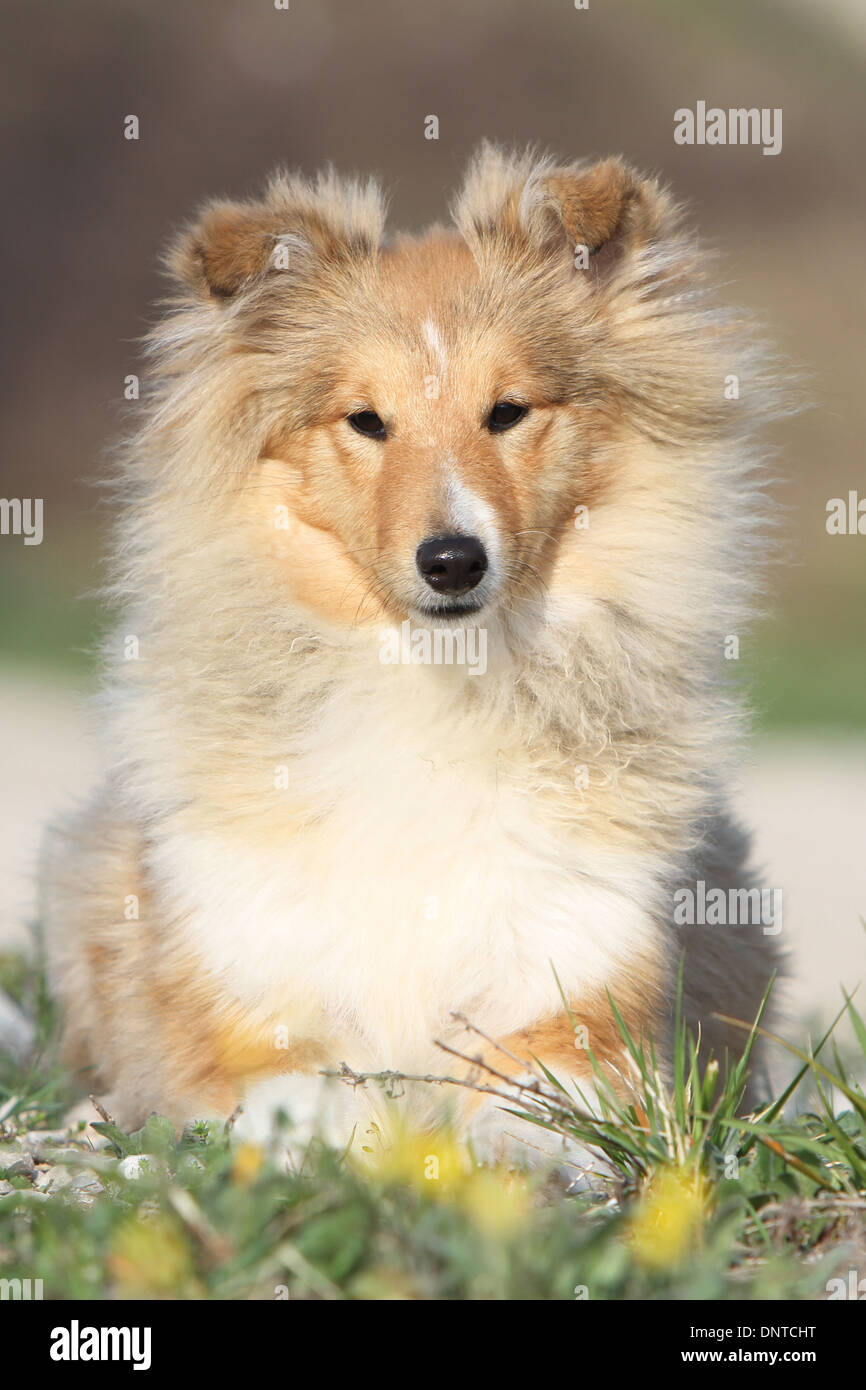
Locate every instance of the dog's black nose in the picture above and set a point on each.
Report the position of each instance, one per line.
(451, 564)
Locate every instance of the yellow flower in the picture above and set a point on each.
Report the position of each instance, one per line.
(383, 1285)
(440, 1168)
(149, 1257)
(669, 1217)
(431, 1163)
(496, 1200)
(247, 1163)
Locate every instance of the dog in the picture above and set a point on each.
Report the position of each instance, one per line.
(418, 710)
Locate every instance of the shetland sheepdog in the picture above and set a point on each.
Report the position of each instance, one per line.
(418, 710)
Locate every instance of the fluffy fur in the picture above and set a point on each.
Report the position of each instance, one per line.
(304, 857)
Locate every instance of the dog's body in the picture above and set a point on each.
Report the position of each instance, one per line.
(311, 852)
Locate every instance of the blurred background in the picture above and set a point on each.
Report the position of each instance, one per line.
(225, 90)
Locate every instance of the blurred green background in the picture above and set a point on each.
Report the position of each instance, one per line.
(224, 90)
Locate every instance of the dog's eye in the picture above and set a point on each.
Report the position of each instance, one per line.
(367, 422)
(505, 414)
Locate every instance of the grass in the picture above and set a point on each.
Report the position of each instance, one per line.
(808, 676)
(694, 1201)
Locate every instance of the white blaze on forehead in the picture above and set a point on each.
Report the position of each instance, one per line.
(434, 340)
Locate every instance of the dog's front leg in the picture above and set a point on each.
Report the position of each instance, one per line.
(584, 1049)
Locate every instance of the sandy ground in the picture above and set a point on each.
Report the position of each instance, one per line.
(805, 798)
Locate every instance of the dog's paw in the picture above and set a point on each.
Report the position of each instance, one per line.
(286, 1116)
(496, 1137)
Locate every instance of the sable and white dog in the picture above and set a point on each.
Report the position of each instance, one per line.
(317, 841)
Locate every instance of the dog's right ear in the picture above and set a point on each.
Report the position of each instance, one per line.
(232, 246)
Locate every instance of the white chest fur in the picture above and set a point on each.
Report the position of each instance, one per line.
(430, 884)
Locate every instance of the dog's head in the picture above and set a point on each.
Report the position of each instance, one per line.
(418, 422)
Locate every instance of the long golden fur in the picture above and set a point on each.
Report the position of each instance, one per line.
(303, 856)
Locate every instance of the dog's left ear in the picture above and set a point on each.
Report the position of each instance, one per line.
(602, 212)
(607, 209)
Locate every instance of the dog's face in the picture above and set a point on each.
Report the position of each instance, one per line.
(444, 455)
(430, 412)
